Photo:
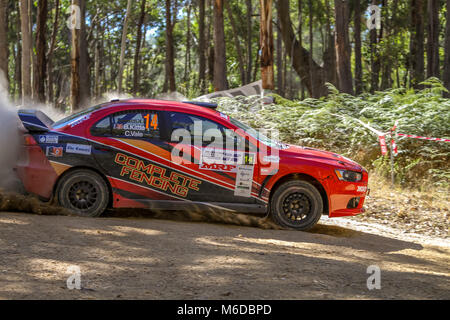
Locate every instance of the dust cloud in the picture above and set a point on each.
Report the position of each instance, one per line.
(10, 140)
(219, 217)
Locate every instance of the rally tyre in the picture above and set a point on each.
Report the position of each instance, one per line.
(84, 192)
(296, 204)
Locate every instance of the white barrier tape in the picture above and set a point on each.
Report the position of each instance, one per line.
(377, 132)
(422, 138)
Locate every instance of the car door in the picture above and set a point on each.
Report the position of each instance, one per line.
(136, 156)
(206, 150)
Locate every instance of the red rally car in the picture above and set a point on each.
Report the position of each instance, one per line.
(128, 154)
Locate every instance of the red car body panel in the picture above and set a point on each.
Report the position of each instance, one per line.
(36, 172)
(40, 172)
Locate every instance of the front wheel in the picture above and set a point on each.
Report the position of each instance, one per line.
(83, 192)
(296, 204)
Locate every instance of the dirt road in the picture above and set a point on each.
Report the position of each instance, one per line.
(144, 258)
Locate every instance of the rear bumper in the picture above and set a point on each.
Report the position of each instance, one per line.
(36, 172)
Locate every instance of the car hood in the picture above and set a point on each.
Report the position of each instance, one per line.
(307, 153)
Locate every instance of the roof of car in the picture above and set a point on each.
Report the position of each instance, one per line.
(182, 106)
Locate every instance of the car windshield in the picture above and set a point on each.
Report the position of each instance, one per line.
(258, 135)
(73, 117)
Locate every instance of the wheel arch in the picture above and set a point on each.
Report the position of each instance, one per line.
(303, 177)
(101, 174)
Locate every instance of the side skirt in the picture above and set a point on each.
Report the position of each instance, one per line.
(254, 209)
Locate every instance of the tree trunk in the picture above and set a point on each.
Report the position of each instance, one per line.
(41, 63)
(374, 58)
(311, 44)
(18, 56)
(343, 50)
(32, 46)
(386, 33)
(279, 52)
(417, 40)
(266, 41)
(187, 63)
(201, 46)
(97, 69)
(51, 50)
(123, 45)
(138, 49)
(4, 43)
(256, 68)
(446, 76)
(85, 61)
(75, 99)
(303, 65)
(26, 51)
(329, 56)
(169, 83)
(249, 40)
(237, 43)
(209, 51)
(433, 39)
(358, 55)
(220, 63)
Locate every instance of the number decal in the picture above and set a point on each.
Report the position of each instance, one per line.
(154, 122)
(248, 159)
(147, 117)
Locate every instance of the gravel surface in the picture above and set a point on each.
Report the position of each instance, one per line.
(147, 258)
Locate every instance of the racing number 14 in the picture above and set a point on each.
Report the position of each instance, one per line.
(154, 122)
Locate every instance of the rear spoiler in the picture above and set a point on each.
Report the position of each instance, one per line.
(203, 104)
(35, 120)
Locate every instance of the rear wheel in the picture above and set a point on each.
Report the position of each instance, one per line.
(296, 204)
(83, 192)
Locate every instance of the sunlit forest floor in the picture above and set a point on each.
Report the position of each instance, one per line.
(409, 211)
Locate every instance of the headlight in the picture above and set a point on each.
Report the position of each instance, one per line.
(350, 176)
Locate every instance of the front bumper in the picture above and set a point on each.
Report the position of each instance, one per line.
(347, 198)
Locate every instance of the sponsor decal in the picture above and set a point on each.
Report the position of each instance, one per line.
(212, 155)
(268, 171)
(80, 120)
(54, 152)
(78, 148)
(224, 116)
(271, 159)
(48, 139)
(361, 189)
(155, 176)
(244, 181)
(218, 167)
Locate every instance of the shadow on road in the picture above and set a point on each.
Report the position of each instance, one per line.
(136, 257)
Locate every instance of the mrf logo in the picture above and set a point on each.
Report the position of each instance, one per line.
(218, 167)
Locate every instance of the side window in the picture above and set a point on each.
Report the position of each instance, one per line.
(102, 128)
(136, 124)
(192, 124)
